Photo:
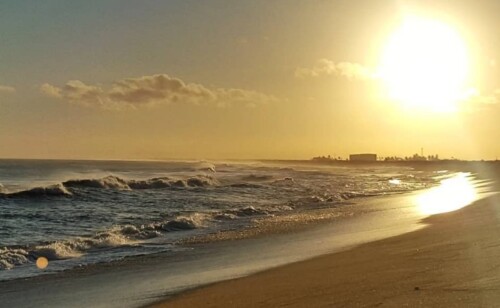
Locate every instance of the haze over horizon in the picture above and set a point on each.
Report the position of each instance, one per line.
(248, 80)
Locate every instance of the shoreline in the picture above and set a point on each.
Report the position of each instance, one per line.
(453, 261)
(260, 227)
(142, 280)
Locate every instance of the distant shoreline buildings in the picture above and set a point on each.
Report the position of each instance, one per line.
(370, 157)
(363, 157)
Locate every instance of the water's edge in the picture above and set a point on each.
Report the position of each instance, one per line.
(143, 280)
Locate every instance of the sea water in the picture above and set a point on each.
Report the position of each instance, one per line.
(82, 212)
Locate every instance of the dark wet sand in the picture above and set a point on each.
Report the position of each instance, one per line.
(454, 262)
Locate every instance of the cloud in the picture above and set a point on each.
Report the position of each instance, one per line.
(152, 90)
(325, 67)
(7, 89)
(50, 90)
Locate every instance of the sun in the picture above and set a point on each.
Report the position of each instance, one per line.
(425, 65)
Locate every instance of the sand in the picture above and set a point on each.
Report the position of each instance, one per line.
(453, 262)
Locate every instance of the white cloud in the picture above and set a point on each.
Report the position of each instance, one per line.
(152, 90)
(50, 90)
(325, 67)
(7, 89)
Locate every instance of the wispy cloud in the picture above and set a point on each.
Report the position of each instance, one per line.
(7, 89)
(325, 67)
(152, 90)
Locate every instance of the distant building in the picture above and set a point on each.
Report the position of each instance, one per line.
(417, 157)
(322, 158)
(363, 157)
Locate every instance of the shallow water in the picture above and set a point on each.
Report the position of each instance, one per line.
(81, 212)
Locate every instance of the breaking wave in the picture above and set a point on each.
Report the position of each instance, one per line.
(48, 191)
(112, 183)
(154, 183)
(116, 236)
(12, 257)
(125, 235)
(205, 166)
(109, 182)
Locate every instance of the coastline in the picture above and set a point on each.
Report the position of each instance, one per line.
(140, 281)
(452, 262)
(143, 280)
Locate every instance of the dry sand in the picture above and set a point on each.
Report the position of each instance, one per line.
(453, 262)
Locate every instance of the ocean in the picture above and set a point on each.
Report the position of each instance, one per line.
(76, 213)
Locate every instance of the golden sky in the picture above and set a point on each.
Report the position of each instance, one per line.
(249, 79)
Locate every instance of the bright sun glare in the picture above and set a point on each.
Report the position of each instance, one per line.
(425, 65)
(452, 194)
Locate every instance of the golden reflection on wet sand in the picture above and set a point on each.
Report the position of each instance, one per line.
(452, 194)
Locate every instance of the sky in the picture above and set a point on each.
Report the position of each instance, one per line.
(282, 79)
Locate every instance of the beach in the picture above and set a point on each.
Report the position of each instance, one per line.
(274, 153)
(452, 262)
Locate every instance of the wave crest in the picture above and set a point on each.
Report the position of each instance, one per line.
(116, 236)
(154, 183)
(114, 182)
(48, 191)
(12, 257)
(109, 182)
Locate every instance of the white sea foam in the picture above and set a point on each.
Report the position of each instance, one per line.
(180, 222)
(113, 182)
(61, 250)
(12, 257)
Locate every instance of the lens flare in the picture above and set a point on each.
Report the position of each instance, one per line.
(42, 262)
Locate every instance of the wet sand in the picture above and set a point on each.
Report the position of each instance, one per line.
(453, 262)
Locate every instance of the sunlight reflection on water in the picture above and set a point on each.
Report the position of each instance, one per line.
(452, 194)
